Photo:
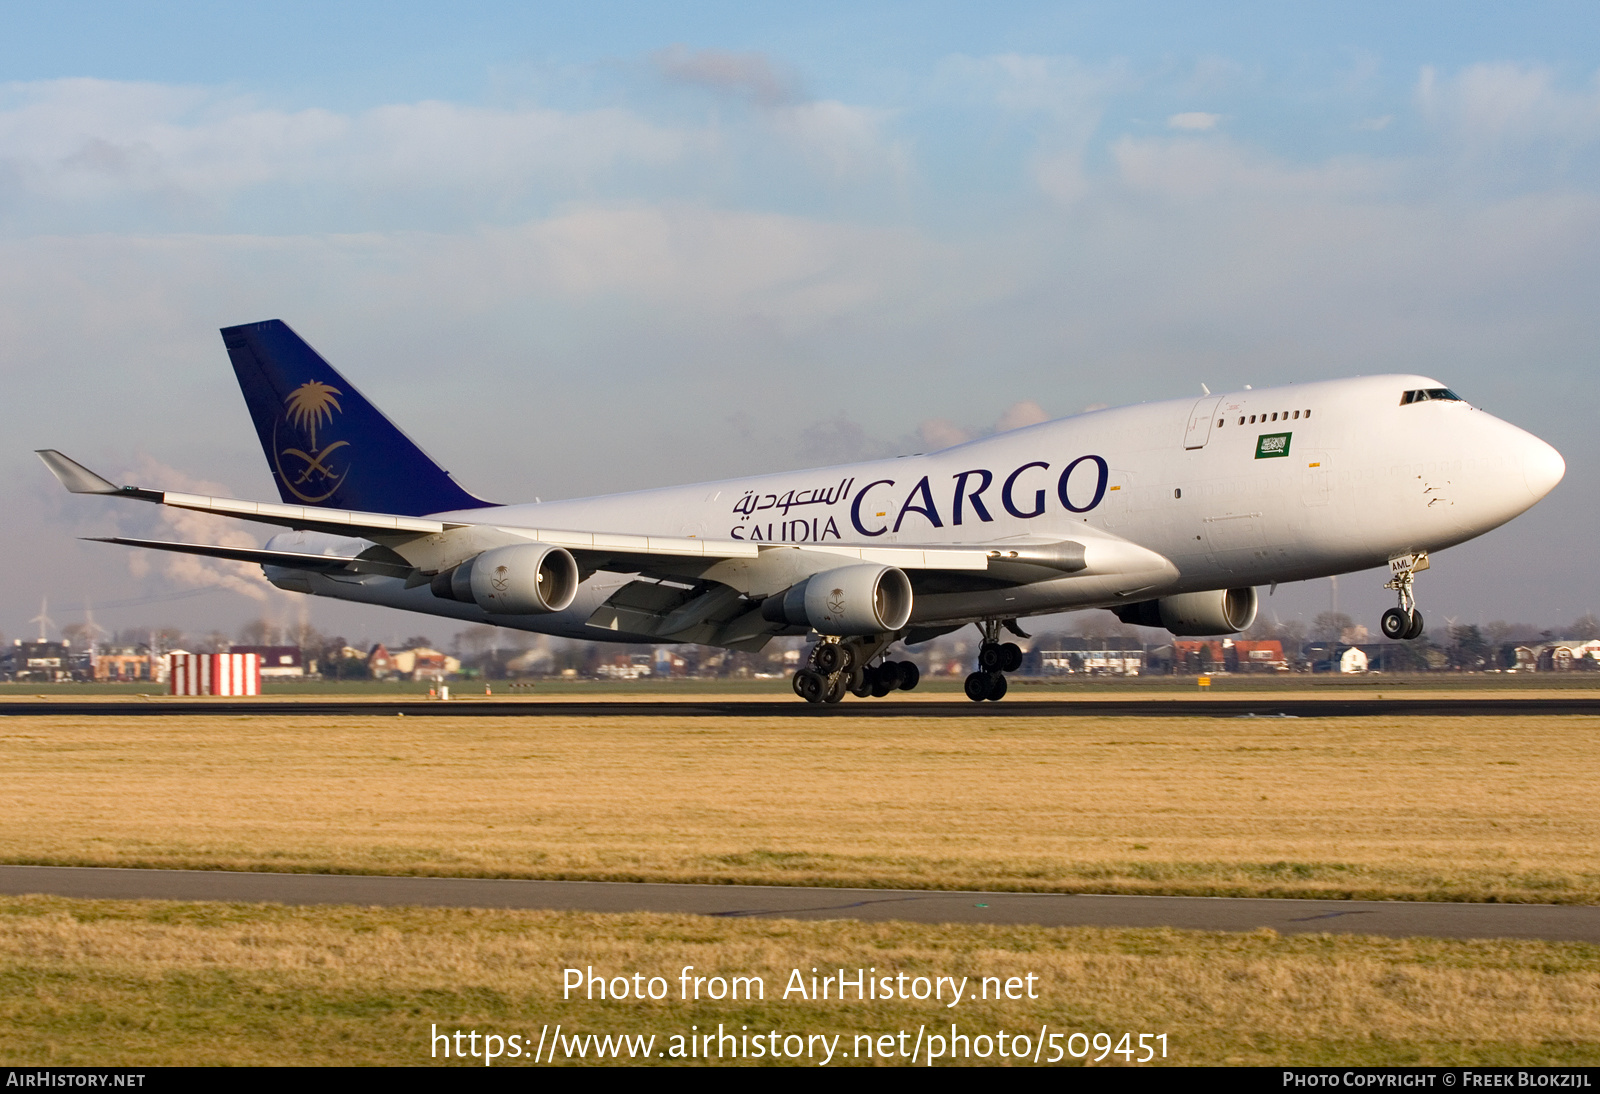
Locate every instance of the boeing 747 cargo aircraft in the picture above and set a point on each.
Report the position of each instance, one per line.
(1169, 514)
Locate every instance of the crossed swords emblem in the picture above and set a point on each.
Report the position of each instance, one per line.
(314, 462)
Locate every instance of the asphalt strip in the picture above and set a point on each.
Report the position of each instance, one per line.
(1395, 919)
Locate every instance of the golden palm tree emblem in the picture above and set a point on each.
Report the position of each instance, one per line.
(311, 404)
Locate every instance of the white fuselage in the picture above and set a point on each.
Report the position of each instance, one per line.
(1328, 478)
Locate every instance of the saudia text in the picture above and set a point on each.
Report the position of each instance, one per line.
(1027, 492)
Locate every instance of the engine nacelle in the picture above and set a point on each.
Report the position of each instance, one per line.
(1217, 611)
(863, 599)
(523, 579)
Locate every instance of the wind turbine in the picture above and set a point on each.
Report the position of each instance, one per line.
(91, 628)
(43, 619)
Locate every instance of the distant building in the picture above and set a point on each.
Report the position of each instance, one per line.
(423, 663)
(123, 663)
(1567, 654)
(380, 663)
(1259, 655)
(1095, 656)
(276, 661)
(1341, 658)
(626, 666)
(45, 662)
(1197, 656)
(420, 663)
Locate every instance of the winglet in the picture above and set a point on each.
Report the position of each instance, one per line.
(80, 480)
(73, 475)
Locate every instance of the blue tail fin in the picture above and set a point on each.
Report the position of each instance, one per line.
(325, 443)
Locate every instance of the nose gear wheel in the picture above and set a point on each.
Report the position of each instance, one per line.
(1404, 622)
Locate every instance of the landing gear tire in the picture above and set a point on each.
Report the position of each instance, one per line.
(809, 685)
(1010, 657)
(861, 682)
(837, 685)
(997, 687)
(885, 679)
(977, 686)
(910, 675)
(831, 657)
(1404, 622)
(991, 655)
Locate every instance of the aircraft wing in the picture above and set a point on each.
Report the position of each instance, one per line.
(685, 588)
(430, 546)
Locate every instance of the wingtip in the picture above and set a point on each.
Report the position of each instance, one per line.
(77, 478)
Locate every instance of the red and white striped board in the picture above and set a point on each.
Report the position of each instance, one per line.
(215, 673)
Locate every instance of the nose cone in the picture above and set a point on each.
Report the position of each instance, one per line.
(1542, 467)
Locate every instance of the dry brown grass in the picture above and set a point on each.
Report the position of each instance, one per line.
(1446, 808)
(148, 983)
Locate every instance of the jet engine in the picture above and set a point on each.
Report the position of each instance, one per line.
(1217, 611)
(863, 599)
(523, 579)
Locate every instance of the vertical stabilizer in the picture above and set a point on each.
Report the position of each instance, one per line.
(325, 443)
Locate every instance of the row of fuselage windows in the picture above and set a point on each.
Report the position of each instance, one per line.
(1424, 394)
(1280, 416)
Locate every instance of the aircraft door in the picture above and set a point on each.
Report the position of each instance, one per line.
(1201, 419)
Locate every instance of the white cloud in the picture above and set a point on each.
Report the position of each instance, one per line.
(1024, 413)
(185, 526)
(938, 433)
(194, 157)
(1194, 169)
(842, 140)
(1509, 102)
(1194, 119)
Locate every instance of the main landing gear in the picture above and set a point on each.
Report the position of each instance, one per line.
(838, 665)
(995, 659)
(1404, 622)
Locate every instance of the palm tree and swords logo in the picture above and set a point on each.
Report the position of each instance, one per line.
(312, 477)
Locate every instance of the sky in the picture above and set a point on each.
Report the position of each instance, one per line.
(583, 249)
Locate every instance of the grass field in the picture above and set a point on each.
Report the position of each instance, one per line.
(106, 983)
(1430, 809)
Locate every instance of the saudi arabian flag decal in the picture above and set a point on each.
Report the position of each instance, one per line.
(1270, 445)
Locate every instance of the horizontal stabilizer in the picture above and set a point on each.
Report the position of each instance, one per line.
(293, 559)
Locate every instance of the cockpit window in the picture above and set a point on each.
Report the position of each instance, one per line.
(1424, 394)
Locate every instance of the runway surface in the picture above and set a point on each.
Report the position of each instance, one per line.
(1166, 706)
(1398, 919)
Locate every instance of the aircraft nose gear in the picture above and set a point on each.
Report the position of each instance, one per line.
(840, 665)
(995, 659)
(1404, 622)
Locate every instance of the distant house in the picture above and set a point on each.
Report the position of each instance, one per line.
(276, 661)
(420, 663)
(1341, 658)
(1212, 655)
(380, 663)
(423, 663)
(1564, 655)
(1259, 655)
